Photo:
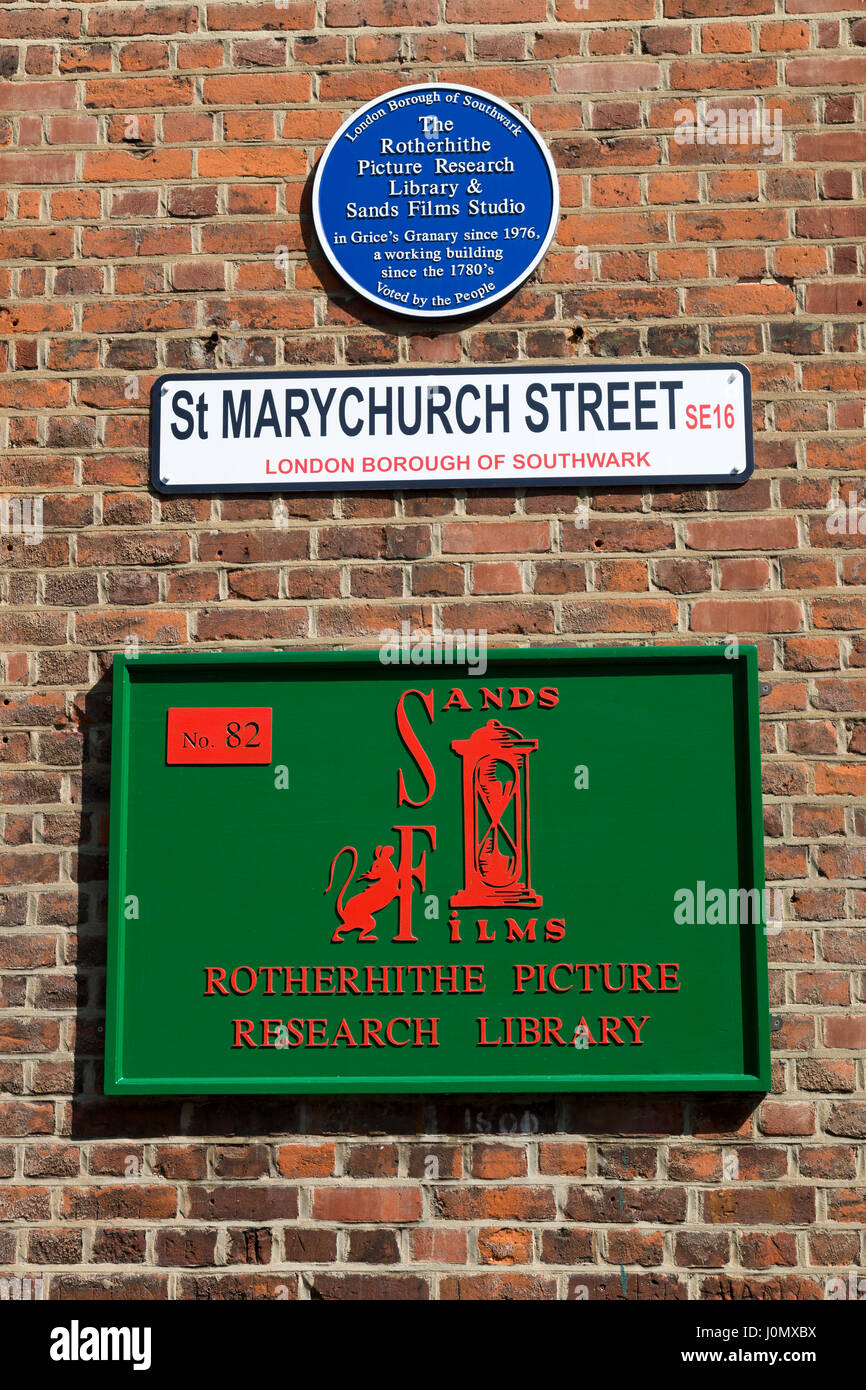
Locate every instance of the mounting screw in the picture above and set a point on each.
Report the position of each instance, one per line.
(764, 688)
(775, 1025)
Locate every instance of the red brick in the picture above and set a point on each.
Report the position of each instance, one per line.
(439, 1245)
(245, 1202)
(609, 77)
(504, 1246)
(366, 1204)
(369, 1287)
(498, 1161)
(746, 616)
(185, 1246)
(502, 1286)
(487, 538)
(823, 72)
(36, 167)
(130, 1201)
(233, 1287)
(701, 1250)
(109, 20)
(635, 1246)
(294, 14)
(758, 1206)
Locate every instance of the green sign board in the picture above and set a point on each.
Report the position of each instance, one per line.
(509, 871)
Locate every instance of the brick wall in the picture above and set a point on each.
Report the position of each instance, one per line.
(157, 155)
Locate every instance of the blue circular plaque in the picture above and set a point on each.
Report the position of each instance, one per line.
(435, 200)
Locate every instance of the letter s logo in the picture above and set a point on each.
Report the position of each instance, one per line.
(410, 738)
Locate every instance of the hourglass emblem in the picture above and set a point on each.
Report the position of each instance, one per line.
(495, 818)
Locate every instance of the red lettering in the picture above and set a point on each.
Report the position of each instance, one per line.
(211, 971)
(425, 1032)
(516, 692)
(243, 1028)
(488, 698)
(372, 1027)
(551, 1030)
(525, 1025)
(410, 739)
(640, 978)
(320, 972)
(522, 975)
(380, 985)
(343, 1031)
(517, 933)
(483, 1040)
(613, 989)
(586, 986)
(347, 983)
(456, 698)
(419, 971)
(663, 976)
(609, 1026)
(449, 971)
(290, 980)
(635, 1028)
(558, 989)
(393, 1041)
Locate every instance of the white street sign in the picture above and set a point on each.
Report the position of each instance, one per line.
(454, 427)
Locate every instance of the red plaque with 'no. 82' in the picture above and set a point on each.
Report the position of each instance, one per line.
(219, 736)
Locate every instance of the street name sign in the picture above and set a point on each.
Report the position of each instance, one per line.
(452, 427)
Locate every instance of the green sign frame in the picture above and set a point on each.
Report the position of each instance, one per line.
(565, 882)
